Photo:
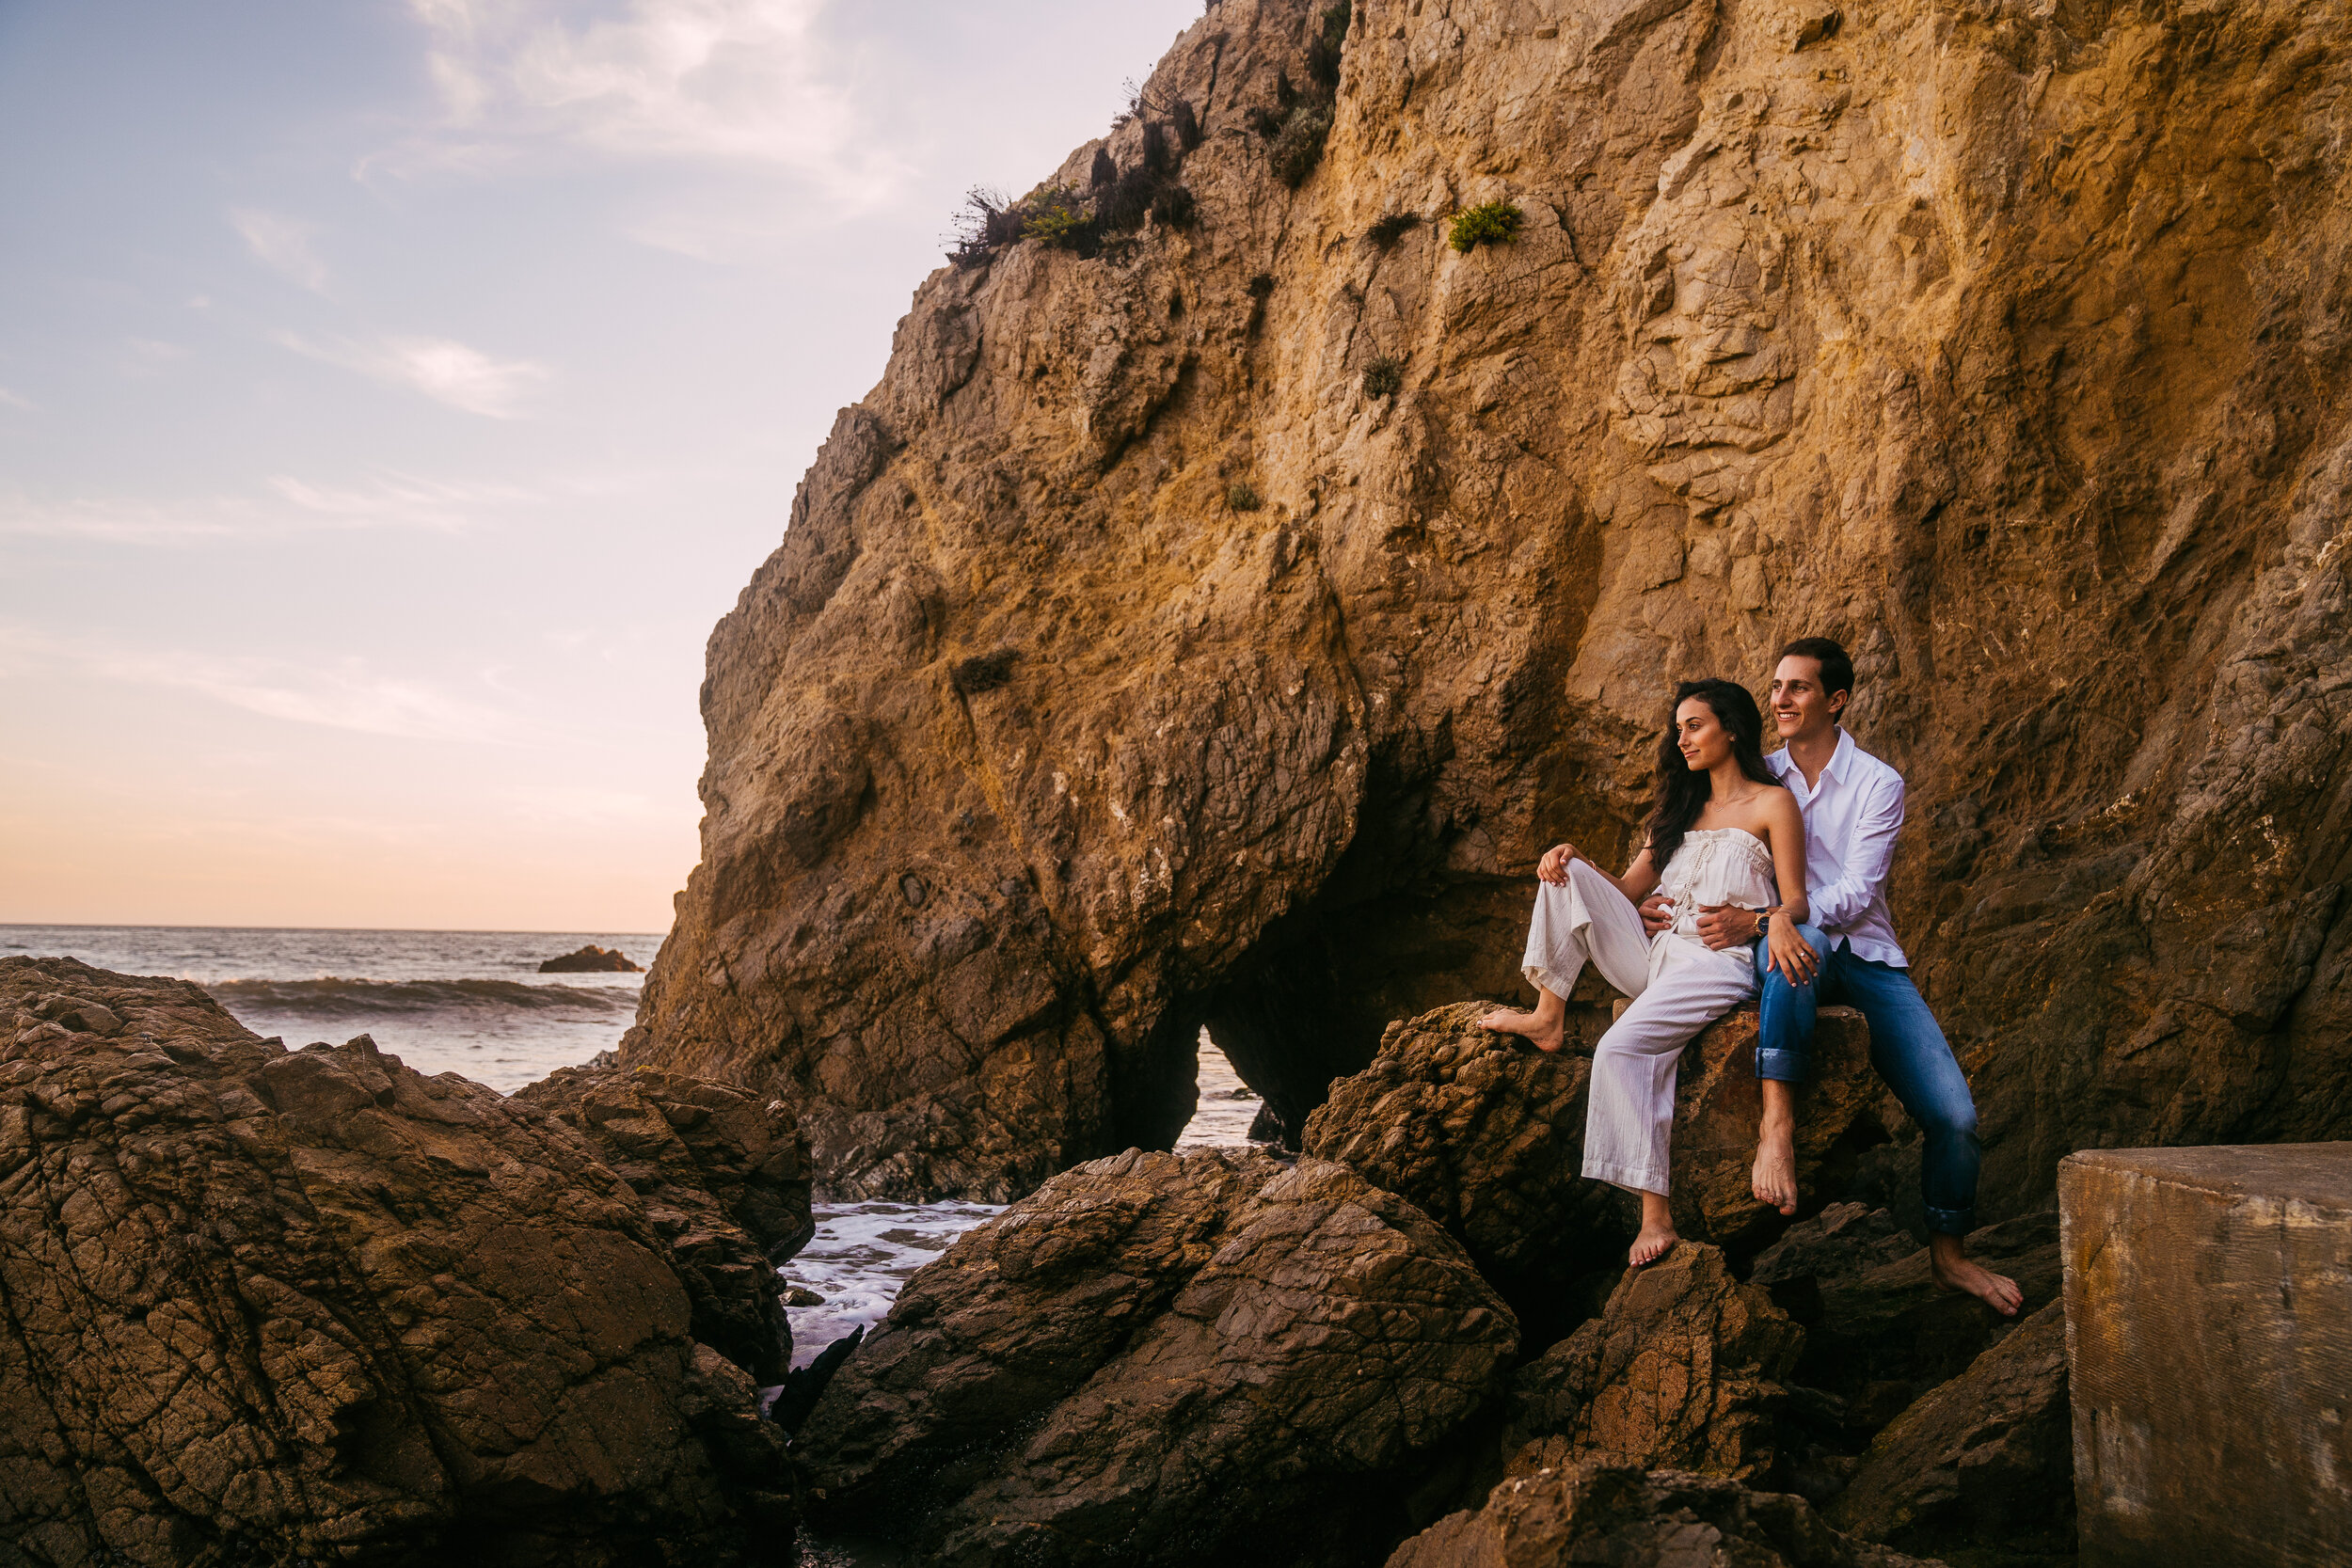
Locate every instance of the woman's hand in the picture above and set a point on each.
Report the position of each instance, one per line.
(1553, 867)
(1797, 962)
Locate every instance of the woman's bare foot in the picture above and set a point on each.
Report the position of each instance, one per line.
(1774, 1179)
(1547, 1034)
(1656, 1237)
(1953, 1272)
(1654, 1242)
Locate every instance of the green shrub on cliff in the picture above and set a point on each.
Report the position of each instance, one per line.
(1295, 129)
(1489, 223)
(1060, 219)
(1384, 377)
(1298, 145)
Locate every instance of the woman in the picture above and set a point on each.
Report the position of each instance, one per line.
(1726, 834)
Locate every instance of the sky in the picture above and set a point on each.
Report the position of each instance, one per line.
(393, 393)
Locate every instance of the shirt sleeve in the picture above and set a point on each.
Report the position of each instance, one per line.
(1869, 856)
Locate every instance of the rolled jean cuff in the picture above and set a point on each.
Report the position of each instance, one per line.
(1786, 1067)
(1951, 1222)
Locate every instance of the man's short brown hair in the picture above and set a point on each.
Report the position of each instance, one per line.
(1836, 668)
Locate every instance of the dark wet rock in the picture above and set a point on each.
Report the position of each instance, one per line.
(725, 1181)
(1627, 1518)
(261, 1303)
(1485, 1134)
(590, 959)
(1842, 1240)
(1983, 1461)
(1166, 1359)
(1682, 1372)
(1880, 1337)
(788, 1404)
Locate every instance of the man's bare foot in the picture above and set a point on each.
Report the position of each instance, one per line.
(1655, 1240)
(1547, 1034)
(1774, 1179)
(1953, 1272)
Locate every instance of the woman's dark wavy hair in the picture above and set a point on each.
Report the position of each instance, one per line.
(1682, 790)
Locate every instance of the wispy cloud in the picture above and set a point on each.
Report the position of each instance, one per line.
(443, 369)
(282, 245)
(16, 400)
(284, 506)
(338, 693)
(745, 82)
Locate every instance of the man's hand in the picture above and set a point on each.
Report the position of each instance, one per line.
(1553, 867)
(1723, 925)
(1658, 912)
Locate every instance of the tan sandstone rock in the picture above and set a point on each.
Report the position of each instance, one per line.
(1682, 1372)
(1595, 1514)
(2209, 1337)
(1166, 1359)
(2002, 341)
(263, 1304)
(1486, 1136)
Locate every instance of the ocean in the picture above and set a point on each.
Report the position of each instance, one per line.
(473, 1003)
(467, 1001)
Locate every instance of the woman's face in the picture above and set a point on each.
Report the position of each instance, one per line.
(1701, 735)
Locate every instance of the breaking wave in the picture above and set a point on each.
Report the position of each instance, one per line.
(330, 997)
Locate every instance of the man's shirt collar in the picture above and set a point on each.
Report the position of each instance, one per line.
(1841, 760)
(1839, 763)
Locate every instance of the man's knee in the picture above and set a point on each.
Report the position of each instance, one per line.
(1949, 1118)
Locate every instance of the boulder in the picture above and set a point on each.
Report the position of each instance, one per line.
(272, 1304)
(1485, 1134)
(2209, 1336)
(590, 959)
(1682, 1372)
(1878, 1333)
(724, 1176)
(1162, 1358)
(1984, 1461)
(1597, 1514)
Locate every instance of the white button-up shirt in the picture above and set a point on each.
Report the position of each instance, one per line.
(1850, 819)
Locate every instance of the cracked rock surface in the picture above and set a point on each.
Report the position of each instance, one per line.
(1683, 1372)
(724, 1176)
(1166, 1359)
(270, 1303)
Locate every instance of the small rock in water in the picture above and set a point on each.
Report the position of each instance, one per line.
(788, 1404)
(591, 960)
(801, 1295)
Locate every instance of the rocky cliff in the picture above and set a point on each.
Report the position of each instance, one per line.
(1215, 608)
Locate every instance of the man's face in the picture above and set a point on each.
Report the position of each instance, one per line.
(1799, 707)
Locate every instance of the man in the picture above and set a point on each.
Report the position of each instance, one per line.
(1854, 808)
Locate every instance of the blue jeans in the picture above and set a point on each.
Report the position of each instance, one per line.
(1906, 1047)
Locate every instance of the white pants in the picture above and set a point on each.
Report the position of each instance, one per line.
(1678, 986)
